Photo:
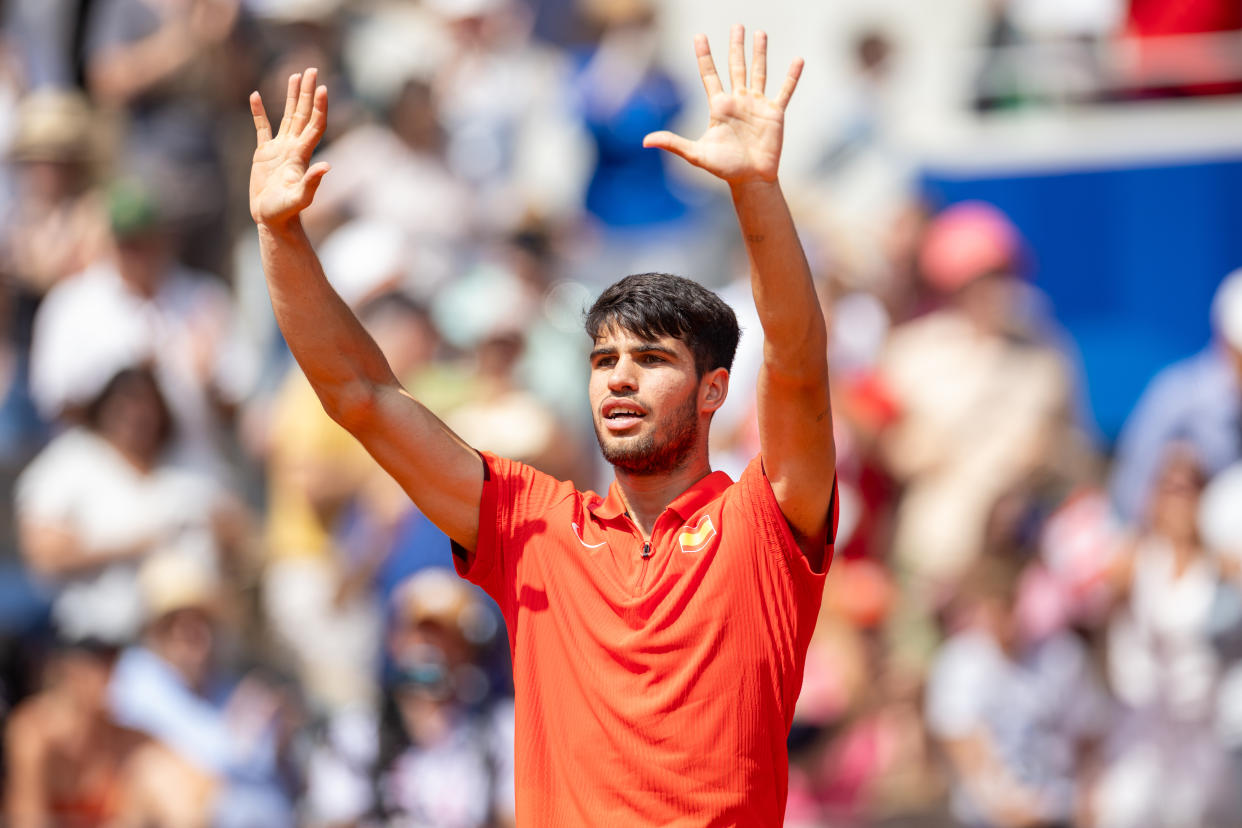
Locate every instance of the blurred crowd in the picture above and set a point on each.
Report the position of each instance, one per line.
(216, 610)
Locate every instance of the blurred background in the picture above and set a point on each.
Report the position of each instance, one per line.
(1022, 216)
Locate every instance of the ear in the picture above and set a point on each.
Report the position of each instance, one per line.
(713, 389)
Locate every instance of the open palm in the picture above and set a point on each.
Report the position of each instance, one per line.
(282, 182)
(745, 128)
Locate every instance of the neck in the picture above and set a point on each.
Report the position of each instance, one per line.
(139, 459)
(648, 495)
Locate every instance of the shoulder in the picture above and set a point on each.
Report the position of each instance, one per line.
(71, 446)
(27, 730)
(753, 496)
(521, 492)
(1206, 368)
(64, 459)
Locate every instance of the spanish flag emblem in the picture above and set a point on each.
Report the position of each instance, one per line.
(696, 538)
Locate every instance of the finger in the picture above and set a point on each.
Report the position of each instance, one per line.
(791, 83)
(291, 101)
(665, 140)
(737, 57)
(759, 63)
(262, 127)
(707, 66)
(318, 120)
(312, 179)
(306, 97)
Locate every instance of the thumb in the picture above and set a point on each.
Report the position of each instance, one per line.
(312, 179)
(672, 142)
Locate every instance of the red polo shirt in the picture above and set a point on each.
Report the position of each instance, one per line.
(649, 691)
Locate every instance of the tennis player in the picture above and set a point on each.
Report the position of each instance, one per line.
(659, 632)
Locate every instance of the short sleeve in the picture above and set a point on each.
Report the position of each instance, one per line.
(758, 496)
(48, 489)
(514, 496)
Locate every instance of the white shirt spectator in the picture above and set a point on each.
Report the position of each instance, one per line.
(80, 483)
(1033, 712)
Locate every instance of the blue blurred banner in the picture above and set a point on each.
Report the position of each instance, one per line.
(1130, 258)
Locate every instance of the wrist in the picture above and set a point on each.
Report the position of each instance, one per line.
(279, 229)
(755, 191)
(753, 186)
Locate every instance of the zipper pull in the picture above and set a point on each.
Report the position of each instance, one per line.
(646, 551)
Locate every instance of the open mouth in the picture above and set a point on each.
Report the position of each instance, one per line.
(620, 415)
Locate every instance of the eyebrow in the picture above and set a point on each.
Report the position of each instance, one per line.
(640, 348)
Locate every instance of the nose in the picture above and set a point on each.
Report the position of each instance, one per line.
(622, 377)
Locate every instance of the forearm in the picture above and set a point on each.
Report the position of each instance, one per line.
(340, 359)
(795, 338)
(124, 72)
(58, 553)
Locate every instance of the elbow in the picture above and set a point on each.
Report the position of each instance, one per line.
(354, 407)
(798, 354)
(50, 553)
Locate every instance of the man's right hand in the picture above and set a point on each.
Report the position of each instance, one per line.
(281, 183)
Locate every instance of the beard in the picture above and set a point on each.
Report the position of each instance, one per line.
(655, 453)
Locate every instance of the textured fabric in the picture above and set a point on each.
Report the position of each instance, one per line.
(656, 691)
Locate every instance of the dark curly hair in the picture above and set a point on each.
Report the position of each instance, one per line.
(653, 305)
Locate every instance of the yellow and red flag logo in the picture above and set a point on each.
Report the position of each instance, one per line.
(696, 538)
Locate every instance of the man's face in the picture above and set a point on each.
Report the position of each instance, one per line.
(644, 401)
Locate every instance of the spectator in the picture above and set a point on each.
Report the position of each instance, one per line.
(502, 99)
(983, 402)
(396, 174)
(224, 734)
(58, 225)
(1167, 766)
(446, 759)
(1197, 400)
(101, 498)
(66, 759)
(173, 69)
(1013, 713)
(624, 93)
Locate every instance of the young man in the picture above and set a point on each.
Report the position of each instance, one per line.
(658, 634)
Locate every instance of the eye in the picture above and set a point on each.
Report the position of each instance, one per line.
(604, 362)
(652, 359)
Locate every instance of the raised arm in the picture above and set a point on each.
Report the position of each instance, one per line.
(441, 474)
(742, 146)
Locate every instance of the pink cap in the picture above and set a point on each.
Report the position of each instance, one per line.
(966, 241)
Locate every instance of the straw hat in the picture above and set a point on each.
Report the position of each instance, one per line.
(52, 125)
(175, 580)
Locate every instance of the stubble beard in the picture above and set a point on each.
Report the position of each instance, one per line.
(655, 453)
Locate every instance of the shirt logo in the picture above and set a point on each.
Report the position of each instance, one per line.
(696, 538)
(582, 540)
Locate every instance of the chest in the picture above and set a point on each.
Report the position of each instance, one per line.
(696, 593)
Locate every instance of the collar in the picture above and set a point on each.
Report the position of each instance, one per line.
(685, 504)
